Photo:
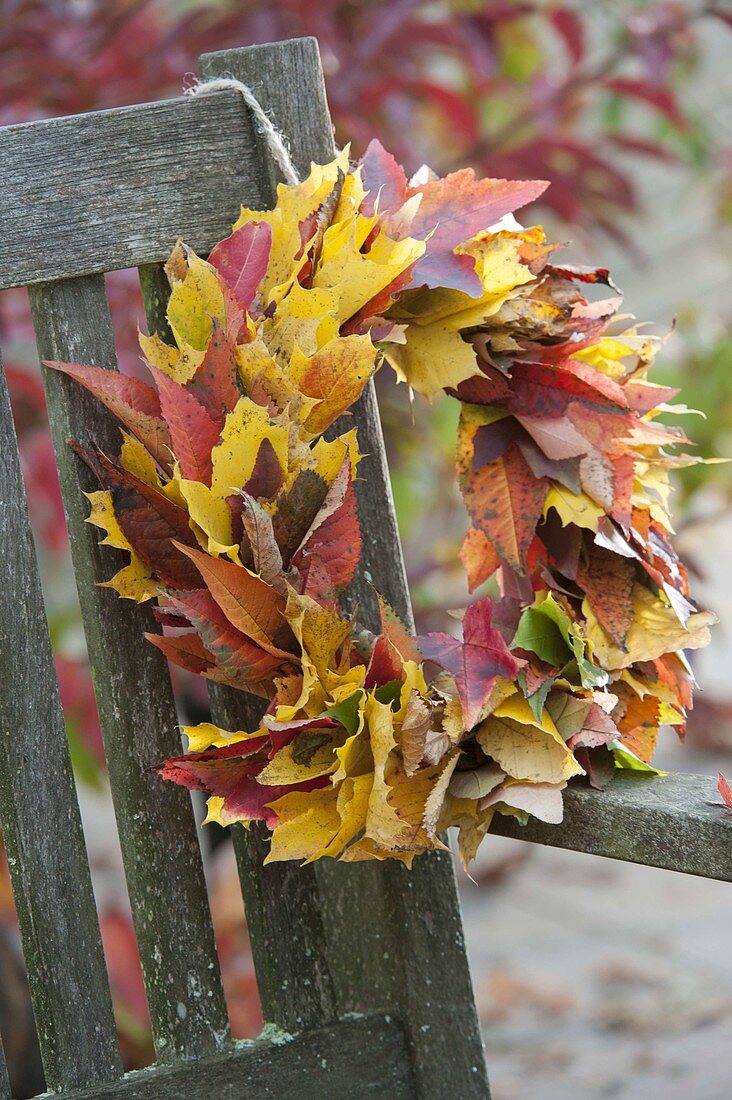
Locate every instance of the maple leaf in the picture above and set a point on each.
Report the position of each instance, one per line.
(242, 259)
(476, 661)
(454, 209)
(384, 180)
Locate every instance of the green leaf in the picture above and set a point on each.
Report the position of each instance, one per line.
(538, 633)
(347, 712)
(390, 693)
(628, 761)
(538, 698)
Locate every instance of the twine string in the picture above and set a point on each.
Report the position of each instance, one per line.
(272, 136)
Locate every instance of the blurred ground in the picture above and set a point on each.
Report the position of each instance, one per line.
(601, 979)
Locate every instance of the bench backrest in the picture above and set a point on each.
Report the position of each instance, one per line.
(365, 963)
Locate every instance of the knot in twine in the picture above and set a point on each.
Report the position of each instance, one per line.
(273, 138)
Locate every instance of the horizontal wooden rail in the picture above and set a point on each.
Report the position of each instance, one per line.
(364, 1059)
(113, 189)
(660, 822)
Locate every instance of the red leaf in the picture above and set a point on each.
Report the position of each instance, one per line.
(476, 661)
(662, 99)
(456, 208)
(334, 538)
(193, 433)
(383, 178)
(569, 25)
(609, 579)
(249, 603)
(185, 650)
(725, 790)
(266, 477)
(227, 773)
(505, 500)
(578, 273)
(479, 558)
(153, 524)
(540, 389)
(214, 383)
(392, 648)
(241, 259)
(133, 402)
(236, 655)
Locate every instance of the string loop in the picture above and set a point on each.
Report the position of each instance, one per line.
(274, 139)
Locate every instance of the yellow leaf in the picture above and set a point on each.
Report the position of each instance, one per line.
(102, 515)
(293, 206)
(654, 630)
(210, 518)
(358, 276)
(206, 736)
(434, 357)
(135, 458)
(517, 707)
(308, 822)
(574, 508)
(234, 458)
(285, 769)
(161, 355)
(352, 805)
(382, 821)
(305, 318)
(527, 752)
(134, 582)
(335, 376)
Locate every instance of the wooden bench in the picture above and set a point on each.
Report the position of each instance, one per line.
(361, 969)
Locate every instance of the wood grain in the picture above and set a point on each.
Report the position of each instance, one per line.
(39, 814)
(113, 189)
(394, 937)
(4, 1079)
(661, 822)
(132, 686)
(362, 1059)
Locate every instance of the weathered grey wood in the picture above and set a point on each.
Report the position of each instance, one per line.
(39, 814)
(283, 906)
(395, 937)
(363, 1059)
(132, 686)
(661, 822)
(4, 1079)
(113, 189)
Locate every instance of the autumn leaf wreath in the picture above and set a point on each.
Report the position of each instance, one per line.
(238, 516)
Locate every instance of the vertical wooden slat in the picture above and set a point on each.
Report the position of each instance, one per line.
(282, 901)
(39, 814)
(4, 1079)
(394, 938)
(136, 708)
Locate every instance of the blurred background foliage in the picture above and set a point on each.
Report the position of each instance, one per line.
(620, 105)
